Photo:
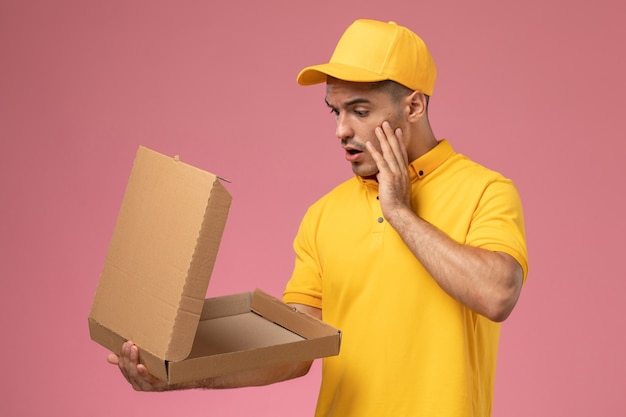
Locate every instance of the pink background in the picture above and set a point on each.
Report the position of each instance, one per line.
(533, 89)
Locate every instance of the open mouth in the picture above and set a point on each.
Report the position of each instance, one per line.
(353, 155)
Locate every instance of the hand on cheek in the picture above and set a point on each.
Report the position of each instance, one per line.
(392, 162)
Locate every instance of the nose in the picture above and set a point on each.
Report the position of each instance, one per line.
(343, 129)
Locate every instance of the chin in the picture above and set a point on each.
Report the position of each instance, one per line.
(365, 172)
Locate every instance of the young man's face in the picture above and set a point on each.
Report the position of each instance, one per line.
(359, 109)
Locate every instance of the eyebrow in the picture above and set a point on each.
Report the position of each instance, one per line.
(350, 102)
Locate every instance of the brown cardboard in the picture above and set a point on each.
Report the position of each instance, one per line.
(156, 274)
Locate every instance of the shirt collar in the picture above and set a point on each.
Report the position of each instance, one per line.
(431, 160)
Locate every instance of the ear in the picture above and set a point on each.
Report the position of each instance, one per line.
(417, 106)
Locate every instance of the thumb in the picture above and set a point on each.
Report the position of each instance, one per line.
(113, 359)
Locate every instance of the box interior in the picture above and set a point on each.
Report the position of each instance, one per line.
(245, 331)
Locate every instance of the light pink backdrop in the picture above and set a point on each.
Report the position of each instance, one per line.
(534, 89)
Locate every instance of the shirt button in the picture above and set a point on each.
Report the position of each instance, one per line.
(380, 220)
(420, 173)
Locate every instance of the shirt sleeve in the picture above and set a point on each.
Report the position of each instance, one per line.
(498, 222)
(305, 285)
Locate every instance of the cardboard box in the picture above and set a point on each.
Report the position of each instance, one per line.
(156, 275)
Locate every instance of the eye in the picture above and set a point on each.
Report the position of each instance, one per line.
(361, 113)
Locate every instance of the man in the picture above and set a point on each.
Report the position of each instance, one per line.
(416, 258)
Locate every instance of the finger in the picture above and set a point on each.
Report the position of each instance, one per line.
(402, 152)
(395, 140)
(124, 360)
(128, 362)
(133, 360)
(123, 357)
(133, 372)
(141, 379)
(389, 146)
(382, 158)
(385, 147)
(378, 158)
(148, 381)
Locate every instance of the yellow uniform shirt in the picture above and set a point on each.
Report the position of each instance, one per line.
(408, 348)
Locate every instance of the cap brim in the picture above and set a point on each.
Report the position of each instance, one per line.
(318, 73)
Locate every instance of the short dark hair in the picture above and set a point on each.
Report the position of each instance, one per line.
(396, 90)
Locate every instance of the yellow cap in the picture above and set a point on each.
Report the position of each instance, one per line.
(370, 51)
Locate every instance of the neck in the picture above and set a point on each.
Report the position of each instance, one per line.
(421, 141)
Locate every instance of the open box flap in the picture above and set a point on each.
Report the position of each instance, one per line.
(161, 256)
